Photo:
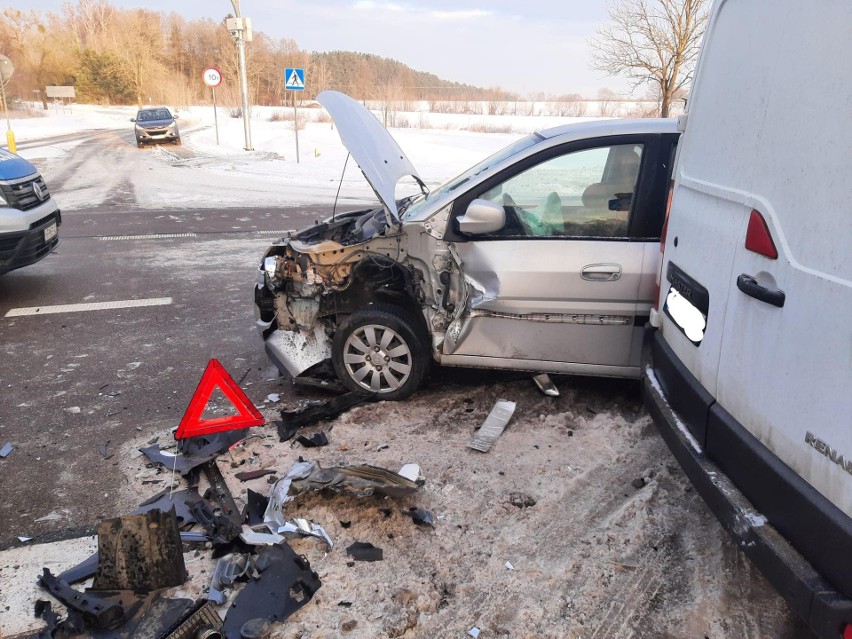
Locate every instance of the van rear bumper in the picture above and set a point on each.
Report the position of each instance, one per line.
(822, 607)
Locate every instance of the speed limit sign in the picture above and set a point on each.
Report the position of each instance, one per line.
(212, 77)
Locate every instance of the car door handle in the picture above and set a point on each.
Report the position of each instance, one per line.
(748, 285)
(601, 272)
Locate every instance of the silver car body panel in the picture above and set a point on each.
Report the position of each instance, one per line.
(372, 147)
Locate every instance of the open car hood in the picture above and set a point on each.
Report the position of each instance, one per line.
(378, 155)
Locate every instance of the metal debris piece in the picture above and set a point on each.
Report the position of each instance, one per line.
(103, 611)
(305, 528)
(317, 439)
(364, 551)
(260, 538)
(546, 385)
(228, 569)
(320, 376)
(254, 474)
(25, 539)
(7, 448)
(221, 495)
(140, 552)
(314, 411)
(493, 426)
(202, 623)
(362, 481)
(285, 584)
(420, 516)
(179, 500)
(279, 495)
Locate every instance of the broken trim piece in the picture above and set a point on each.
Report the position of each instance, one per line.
(493, 426)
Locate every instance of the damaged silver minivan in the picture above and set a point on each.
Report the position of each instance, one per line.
(542, 257)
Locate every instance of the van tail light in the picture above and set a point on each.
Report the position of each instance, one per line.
(847, 631)
(759, 240)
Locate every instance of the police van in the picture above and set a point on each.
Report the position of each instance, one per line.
(29, 217)
(749, 356)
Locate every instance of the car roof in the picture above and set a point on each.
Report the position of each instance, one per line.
(602, 128)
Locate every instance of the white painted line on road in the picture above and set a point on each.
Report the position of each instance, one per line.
(273, 232)
(150, 236)
(95, 306)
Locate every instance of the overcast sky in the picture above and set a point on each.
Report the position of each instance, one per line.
(521, 45)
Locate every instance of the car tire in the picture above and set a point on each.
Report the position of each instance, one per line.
(395, 360)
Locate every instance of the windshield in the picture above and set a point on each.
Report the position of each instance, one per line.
(154, 114)
(472, 172)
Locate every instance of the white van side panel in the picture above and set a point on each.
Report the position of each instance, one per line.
(785, 372)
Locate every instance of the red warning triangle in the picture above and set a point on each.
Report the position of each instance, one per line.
(215, 376)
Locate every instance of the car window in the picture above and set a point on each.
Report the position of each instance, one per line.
(155, 114)
(586, 193)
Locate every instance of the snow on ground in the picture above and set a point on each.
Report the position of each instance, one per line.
(102, 162)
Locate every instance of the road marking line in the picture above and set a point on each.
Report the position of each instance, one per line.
(273, 232)
(151, 236)
(95, 306)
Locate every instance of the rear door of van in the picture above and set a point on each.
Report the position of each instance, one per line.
(757, 275)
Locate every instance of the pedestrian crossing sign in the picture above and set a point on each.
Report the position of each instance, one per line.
(294, 79)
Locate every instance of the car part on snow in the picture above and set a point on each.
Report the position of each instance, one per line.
(202, 623)
(493, 426)
(280, 493)
(220, 528)
(363, 551)
(320, 376)
(546, 385)
(420, 516)
(362, 481)
(413, 472)
(260, 537)
(315, 440)
(285, 584)
(228, 569)
(221, 496)
(165, 500)
(104, 611)
(194, 451)
(254, 474)
(140, 552)
(304, 528)
(316, 410)
(380, 349)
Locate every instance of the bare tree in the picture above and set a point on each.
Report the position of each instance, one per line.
(652, 42)
(606, 103)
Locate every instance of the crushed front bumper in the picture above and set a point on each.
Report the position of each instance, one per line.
(22, 248)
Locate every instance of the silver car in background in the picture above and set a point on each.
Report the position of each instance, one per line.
(543, 257)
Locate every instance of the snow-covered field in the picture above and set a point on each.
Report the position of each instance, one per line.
(88, 155)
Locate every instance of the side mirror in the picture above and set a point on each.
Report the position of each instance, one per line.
(133, 119)
(482, 216)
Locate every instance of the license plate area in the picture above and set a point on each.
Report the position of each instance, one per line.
(687, 304)
(50, 232)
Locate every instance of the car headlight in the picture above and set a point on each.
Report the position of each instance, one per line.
(3, 201)
(173, 125)
(270, 264)
(139, 128)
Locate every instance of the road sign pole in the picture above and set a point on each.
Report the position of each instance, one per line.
(215, 116)
(10, 135)
(296, 126)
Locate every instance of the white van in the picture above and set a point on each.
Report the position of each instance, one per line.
(749, 373)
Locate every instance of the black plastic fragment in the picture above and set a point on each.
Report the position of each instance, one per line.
(179, 500)
(256, 504)
(420, 516)
(317, 439)
(286, 583)
(85, 569)
(201, 622)
(220, 528)
(104, 610)
(195, 451)
(317, 411)
(320, 376)
(363, 551)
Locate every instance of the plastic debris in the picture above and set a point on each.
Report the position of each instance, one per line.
(420, 516)
(254, 474)
(228, 569)
(7, 448)
(493, 426)
(24, 539)
(546, 385)
(317, 410)
(412, 472)
(473, 632)
(280, 493)
(509, 565)
(305, 528)
(195, 451)
(317, 439)
(260, 538)
(273, 397)
(363, 551)
(362, 481)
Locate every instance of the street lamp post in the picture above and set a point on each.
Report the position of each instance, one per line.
(240, 29)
